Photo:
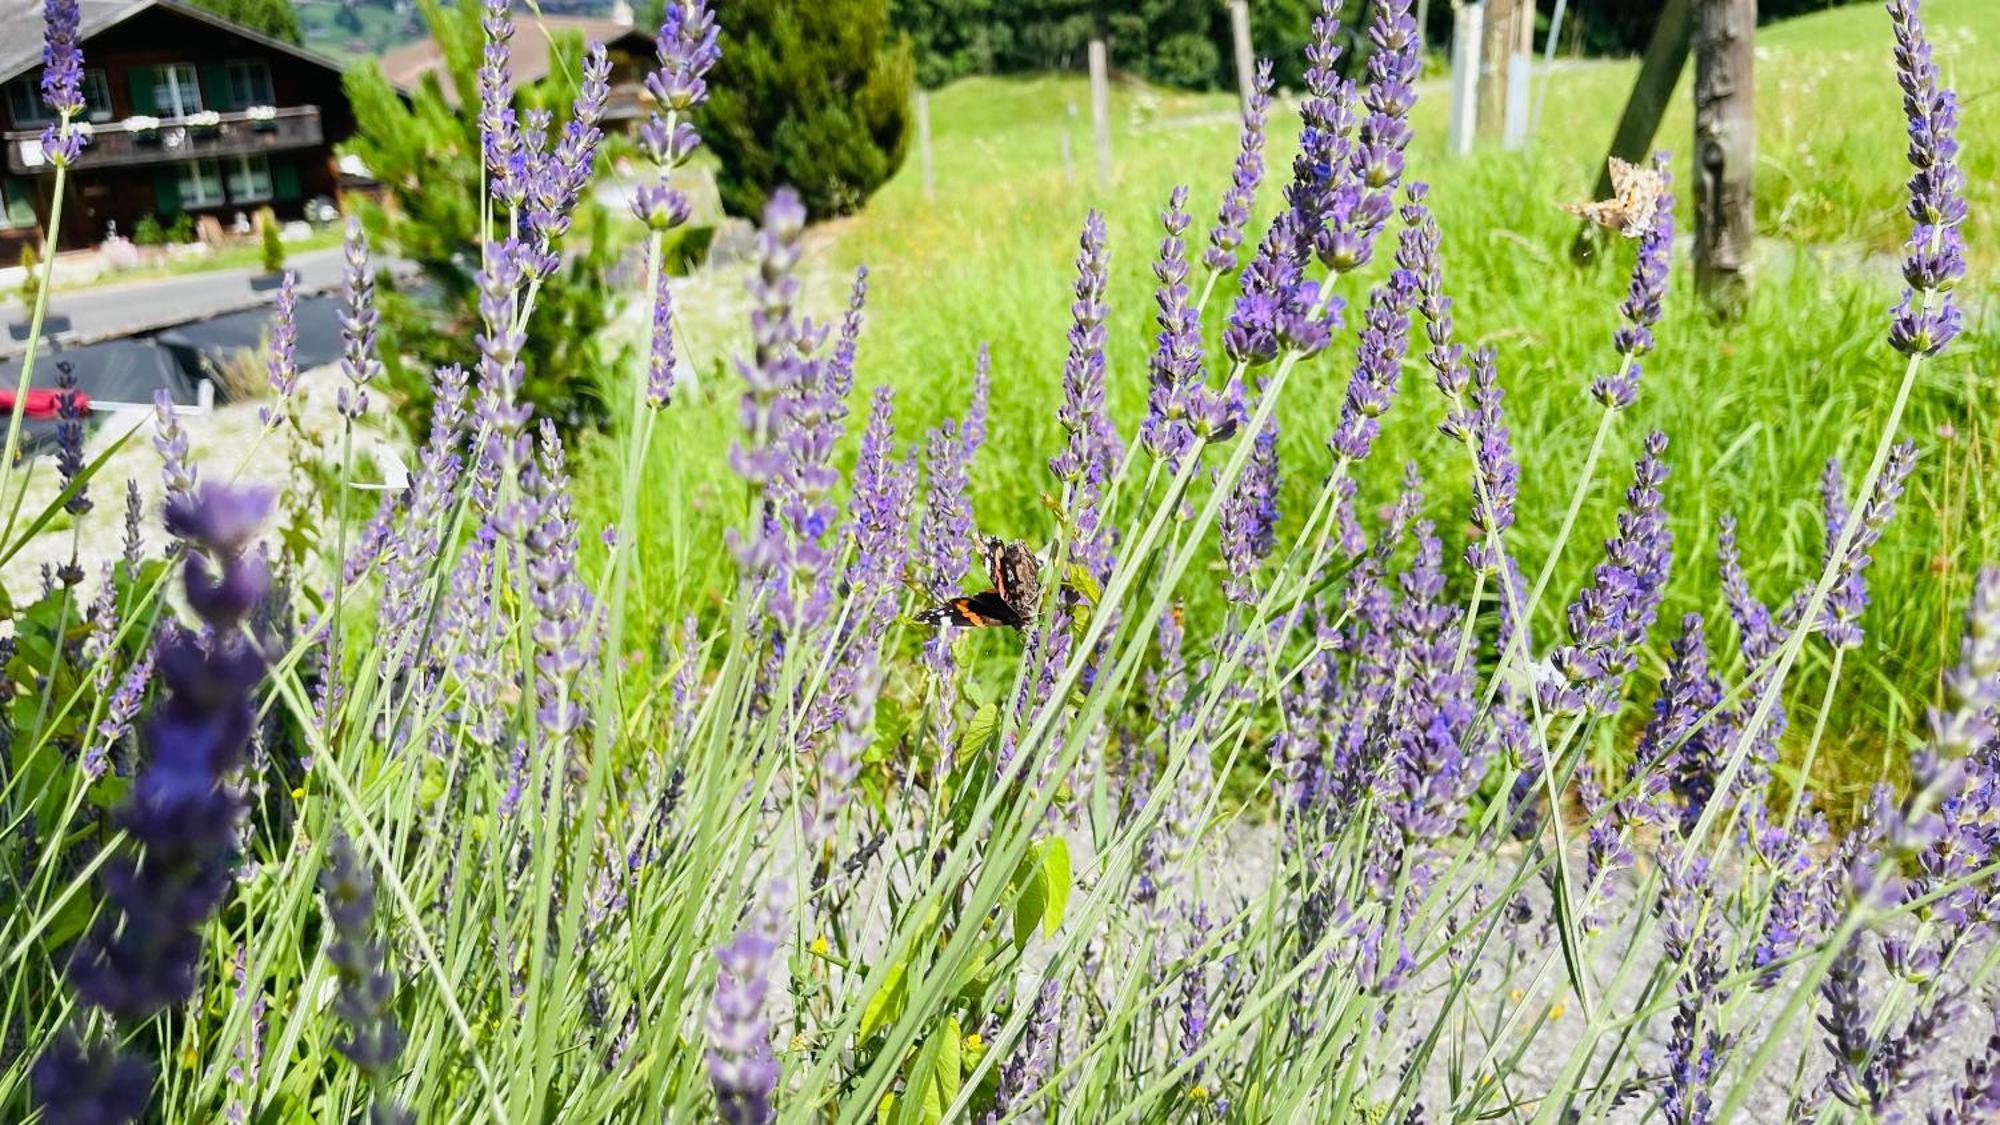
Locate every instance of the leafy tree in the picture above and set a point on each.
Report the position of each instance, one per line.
(271, 248)
(274, 18)
(811, 93)
(426, 155)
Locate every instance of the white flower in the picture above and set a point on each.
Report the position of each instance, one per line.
(206, 119)
(260, 113)
(140, 123)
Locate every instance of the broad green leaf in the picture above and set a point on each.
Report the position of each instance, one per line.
(1031, 898)
(1056, 883)
(887, 1003)
(1083, 582)
(979, 730)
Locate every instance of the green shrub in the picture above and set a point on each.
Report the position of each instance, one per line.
(31, 277)
(810, 93)
(272, 249)
(148, 231)
(181, 228)
(427, 157)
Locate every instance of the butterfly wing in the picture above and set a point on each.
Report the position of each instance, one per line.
(983, 610)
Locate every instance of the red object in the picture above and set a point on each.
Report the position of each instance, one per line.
(43, 402)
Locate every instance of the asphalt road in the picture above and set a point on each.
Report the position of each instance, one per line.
(110, 311)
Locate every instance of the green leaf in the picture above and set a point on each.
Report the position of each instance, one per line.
(933, 1077)
(1083, 582)
(887, 1004)
(1031, 899)
(885, 1109)
(1056, 877)
(979, 730)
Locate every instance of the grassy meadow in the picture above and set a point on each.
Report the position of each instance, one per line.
(1753, 408)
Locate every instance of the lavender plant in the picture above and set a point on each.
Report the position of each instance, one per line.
(818, 861)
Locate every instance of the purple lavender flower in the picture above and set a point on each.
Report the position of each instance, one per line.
(357, 324)
(499, 127)
(1934, 261)
(1499, 472)
(1176, 365)
(1248, 522)
(772, 369)
(660, 355)
(90, 1081)
(741, 1067)
(367, 988)
(1028, 1068)
(1234, 214)
(283, 365)
(1359, 208)
(1378, 365)
(687, 48)
(182, 812)
(840, 366)
(1642, 305)
(1612, 615)
(1847, 599)
(1976, 1097)
(176, 470)
(62, 81)
(880, 524)
(1695, 1048)
(70, 414)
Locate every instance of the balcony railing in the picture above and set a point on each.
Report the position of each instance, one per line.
(137, 140)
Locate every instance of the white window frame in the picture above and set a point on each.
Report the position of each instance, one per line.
(240, 74)
(197, 179)
(238, 173)
(174, 86)
(25, 92)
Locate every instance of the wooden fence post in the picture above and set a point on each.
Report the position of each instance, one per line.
(1246, 59)
(1468, 23)
(1100, 108)
(1496, 55)
(1725, 149)
(1665, 56)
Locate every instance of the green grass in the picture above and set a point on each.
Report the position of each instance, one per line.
(1753, 408)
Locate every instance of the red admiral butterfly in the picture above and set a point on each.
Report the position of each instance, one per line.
(1017, 590)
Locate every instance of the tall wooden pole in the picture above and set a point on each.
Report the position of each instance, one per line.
(1725, 149)
(1100, 108)
(1496, 53)
(1246, 60)
(1468, 24)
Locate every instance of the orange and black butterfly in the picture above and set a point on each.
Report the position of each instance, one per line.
(1017, 590)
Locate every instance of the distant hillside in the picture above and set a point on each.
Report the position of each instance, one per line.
(368, 28)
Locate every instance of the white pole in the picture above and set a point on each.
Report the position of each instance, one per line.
(1548, 65)
(1239, 28)
(1467, 29)
(1100, 107)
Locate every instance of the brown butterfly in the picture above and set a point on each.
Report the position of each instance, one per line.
(1016, 592)
(1635, 196)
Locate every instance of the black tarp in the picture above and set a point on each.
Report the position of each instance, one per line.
(131, 369)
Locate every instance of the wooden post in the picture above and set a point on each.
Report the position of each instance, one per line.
(1468, 20)
(1496, 53)
(1246, 60)
(1100, 108)
(1725, 149)
(1665, 56)
(924, 143)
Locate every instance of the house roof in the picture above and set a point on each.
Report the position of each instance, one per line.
(21, 31)
(406, 66)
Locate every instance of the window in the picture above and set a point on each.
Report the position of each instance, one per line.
(176, 93)
(25, 105)
(249, 83)
(17, 210)
(249, 179)
(200, 184)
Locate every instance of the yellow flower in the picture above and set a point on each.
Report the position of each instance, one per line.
(1198, 1093)
(1556, 1012)
(819, 946)
(1514, 994)
(973, 1042)
(798, 1043)
(299, 793)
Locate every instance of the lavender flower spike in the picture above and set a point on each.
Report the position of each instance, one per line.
(70, 413)
(741, 1067)
(176, 470)
(357, 324)
(1643, 302)
(660, 356)
(142, 955)
(62, 80)
(1227, 234)
(366, 986)
(284, 362)
(1928, 318)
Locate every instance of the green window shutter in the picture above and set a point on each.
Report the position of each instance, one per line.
(139, 83)
(285, 181)
(167, 189)
(215, 87)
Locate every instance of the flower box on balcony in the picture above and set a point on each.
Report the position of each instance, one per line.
(262, 118)
(144, 130)
(206, 123)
